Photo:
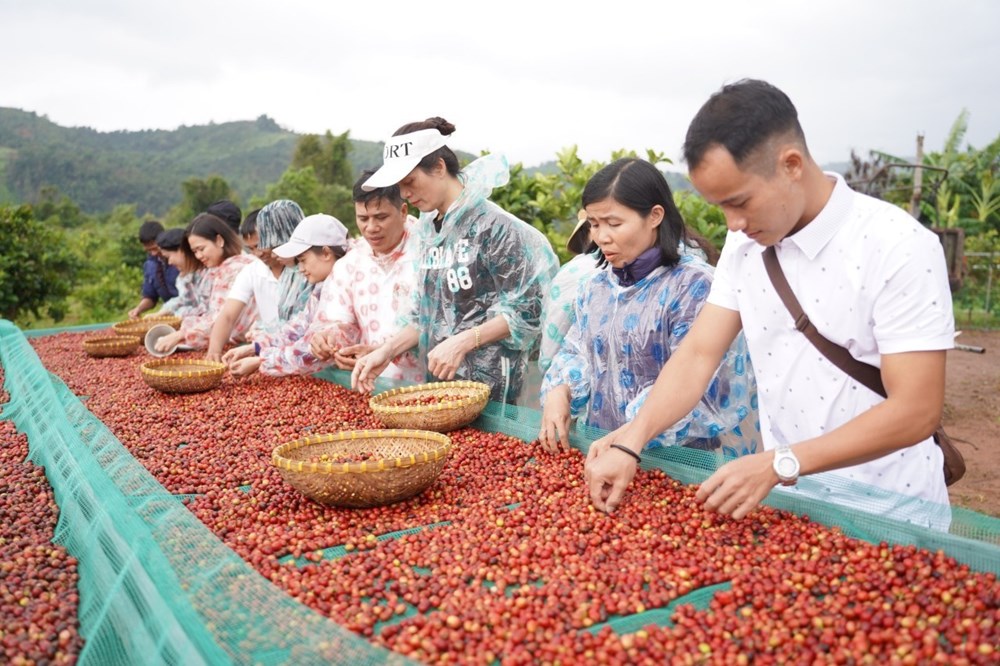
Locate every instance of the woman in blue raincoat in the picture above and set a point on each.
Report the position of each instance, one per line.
(632, 315)
(482, 271)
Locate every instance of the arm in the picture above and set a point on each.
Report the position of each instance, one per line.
(677, 389)
(444, 360)
(222, 328)
(370, 366)
(145, 304)
(566, 385)
(914, 384)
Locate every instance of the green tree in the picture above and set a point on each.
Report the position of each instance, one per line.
(198, 194)
(36, 268)
(549, 201)
(304, 188)
(328, 156)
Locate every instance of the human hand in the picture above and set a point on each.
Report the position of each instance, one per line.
(244, 367)
(168, 342)
(347, 357)
(555, 420)
(445, 359)
(214, 356)
(134, 313)
(237, 353)
(323, 345)
(368, 368)
(608, 471)
(739, 485)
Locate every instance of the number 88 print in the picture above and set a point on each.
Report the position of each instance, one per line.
(459, 278)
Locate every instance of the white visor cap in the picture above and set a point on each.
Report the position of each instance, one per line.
(402, 154)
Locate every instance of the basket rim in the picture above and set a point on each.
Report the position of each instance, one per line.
(145, 321)
(365, 466)
(111, 341)
(152, 369)
(481, 394)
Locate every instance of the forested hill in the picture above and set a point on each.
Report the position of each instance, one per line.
(100, 170)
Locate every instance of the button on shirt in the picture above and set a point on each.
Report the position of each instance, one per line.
(873, 280)
(258, 282)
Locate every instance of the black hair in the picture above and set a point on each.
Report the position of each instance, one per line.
(445, 153)
(209, 226)
(228, 212)
(149, 230)
(170, 239)
(249, 226)
(742, 117)
(338, 250)
(390, 193)
(638, 185)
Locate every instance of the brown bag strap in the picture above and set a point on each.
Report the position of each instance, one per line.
(862, 372)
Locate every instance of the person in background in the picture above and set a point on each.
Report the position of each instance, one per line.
(227, 211)
(558, 302)
(318, 243)
(371, 285)
(158, 277)
(630, 317)
(478, 302)
(214, 243)
(191, 296)
(278, 290)
(869, 278)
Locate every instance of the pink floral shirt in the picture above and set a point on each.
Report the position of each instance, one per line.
(368, 294)
(198, 328)
(285, 350)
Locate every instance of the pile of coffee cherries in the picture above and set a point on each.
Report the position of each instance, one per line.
(424, 400)
(504, 559)
(38, 591)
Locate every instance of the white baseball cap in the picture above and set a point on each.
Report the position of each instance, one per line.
(314, 230)
(401, 154)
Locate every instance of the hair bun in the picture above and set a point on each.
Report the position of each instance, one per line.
(441, 125)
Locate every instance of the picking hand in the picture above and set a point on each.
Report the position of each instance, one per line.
(445, 359)
(368, 368)
(555, 420)
(236, 353)
(608, 471)
(739, 485)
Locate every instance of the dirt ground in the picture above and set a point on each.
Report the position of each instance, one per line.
(972, 418)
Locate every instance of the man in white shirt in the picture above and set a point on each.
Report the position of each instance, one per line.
(373, 285)
(869, 277)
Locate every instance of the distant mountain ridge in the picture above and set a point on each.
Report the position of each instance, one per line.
(100, 170)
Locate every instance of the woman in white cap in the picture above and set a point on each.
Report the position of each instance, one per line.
(477, 311)
(316, 244)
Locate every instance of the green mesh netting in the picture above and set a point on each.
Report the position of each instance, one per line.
(156, 586)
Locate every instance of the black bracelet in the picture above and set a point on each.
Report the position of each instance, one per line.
(638, 458)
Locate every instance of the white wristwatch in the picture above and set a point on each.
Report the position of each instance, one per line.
(786, 466)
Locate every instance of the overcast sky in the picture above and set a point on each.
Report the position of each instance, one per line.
(523, 78)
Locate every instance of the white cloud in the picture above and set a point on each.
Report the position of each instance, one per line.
(525, 78)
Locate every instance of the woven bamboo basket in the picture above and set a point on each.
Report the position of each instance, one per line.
(461, 402)
(139, 327)
(400, 464)
(183, 375)
(116, 345)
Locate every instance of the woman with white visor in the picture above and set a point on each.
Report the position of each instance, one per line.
(476, 312)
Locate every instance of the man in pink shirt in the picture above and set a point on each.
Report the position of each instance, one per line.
(373, 285)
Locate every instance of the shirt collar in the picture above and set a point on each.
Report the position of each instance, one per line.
(813, 237)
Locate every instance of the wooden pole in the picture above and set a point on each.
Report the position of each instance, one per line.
(918, 179)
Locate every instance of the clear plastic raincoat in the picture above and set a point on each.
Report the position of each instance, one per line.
(483, 263)
(622, 337)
